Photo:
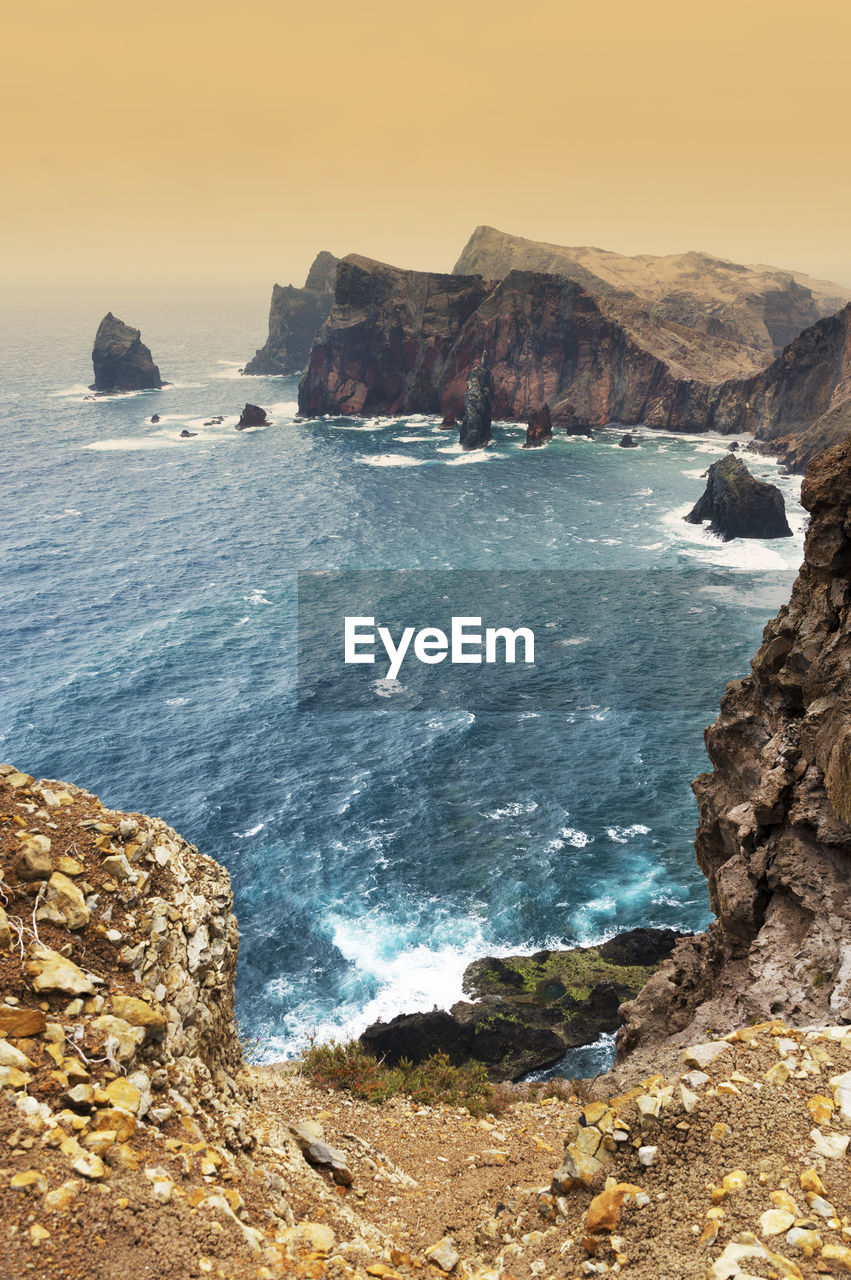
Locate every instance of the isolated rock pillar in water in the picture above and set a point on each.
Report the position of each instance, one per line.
(476, 427)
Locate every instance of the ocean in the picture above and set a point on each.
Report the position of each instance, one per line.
(149, 640)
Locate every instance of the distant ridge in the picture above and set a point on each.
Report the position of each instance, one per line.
(757, 306)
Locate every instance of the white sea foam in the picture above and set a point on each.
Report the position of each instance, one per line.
(414, 439)
(406, 976)
(477, 455)
(230, 370)
(252, 831)
(176, 702)
(622, 835)
(387, 688)
(392, 460)
(575, 838)
(513, 810)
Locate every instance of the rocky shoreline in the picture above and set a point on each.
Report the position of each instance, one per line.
(134, 1137)
(525, 1012)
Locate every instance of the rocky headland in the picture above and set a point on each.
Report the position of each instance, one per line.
(737, 505)
(401, 341)
(121, 360)
(295, 315)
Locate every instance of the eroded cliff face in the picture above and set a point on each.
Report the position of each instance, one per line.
(404, 342)
(774, 839)
(759, 307)
(295, 315)
(801, 404)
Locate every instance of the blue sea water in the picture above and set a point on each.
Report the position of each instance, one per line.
(149, 646)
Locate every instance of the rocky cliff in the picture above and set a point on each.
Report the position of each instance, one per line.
(121, 360)
(801, 404)
(774, 839)
(295, 315)
(404, 342)
(758, 307)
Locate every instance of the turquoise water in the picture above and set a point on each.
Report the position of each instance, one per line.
(149, 644)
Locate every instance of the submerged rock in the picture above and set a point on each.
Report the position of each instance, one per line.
(155, 417)
(121, 360)
(448, 423)
(251, 416)
(187, 435)
(478, 413)
(529, 1010)
(626, 442)
(737, 505)
(540, 428)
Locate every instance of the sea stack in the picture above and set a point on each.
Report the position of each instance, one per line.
(737, 505)
(476, 426)
(121, 360)
(251, 416)
(540, 428)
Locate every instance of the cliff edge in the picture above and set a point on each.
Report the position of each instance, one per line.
(774, 839)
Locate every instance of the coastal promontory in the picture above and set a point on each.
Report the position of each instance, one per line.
(294, 317)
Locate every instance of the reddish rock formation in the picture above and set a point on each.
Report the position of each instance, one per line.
(294, 317)
(540, 428)
(404, 342)
(774, 839)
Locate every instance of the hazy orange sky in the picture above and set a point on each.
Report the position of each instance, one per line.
(219, 143)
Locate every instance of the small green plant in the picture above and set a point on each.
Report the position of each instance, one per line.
(351, 1067)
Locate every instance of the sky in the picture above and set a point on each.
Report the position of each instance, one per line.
(218, 146)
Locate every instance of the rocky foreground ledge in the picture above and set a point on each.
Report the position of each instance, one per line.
(135, 1141)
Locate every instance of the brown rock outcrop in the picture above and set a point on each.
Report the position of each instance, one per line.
(774, 839)
(539, 429)
(404, 342)
(295, 315)
(758, 307)
(801, 404)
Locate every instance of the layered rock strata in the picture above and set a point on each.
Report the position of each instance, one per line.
(801, 404)
(121, 360)
(295, 315)
(737, 505)
(774, 839)
(405, 341)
